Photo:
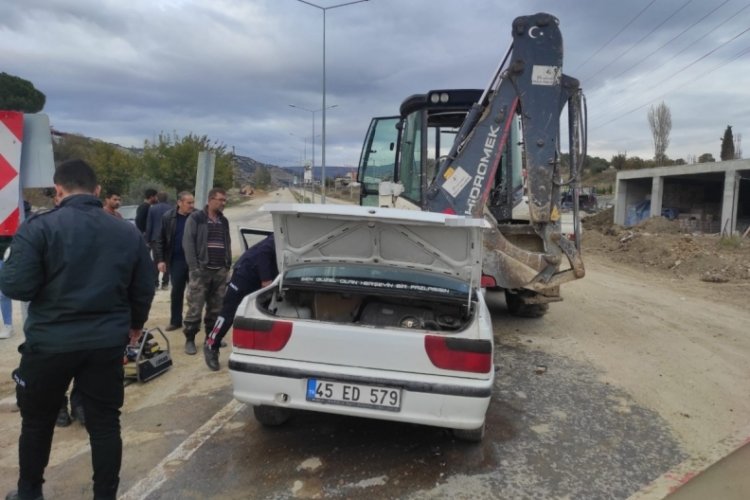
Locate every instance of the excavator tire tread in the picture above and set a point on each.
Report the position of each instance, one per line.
(516, 307)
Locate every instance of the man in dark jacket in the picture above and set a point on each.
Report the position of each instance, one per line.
(141, 213)
(208, 251)
(153, 230)
(89, 280)
(170, 256)
(256, 268)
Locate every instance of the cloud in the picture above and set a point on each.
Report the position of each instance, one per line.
(125, 71)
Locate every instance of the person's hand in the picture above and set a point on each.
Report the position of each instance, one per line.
(162, 267)
(135, 335)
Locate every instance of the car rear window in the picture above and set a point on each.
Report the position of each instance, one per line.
(377, 279)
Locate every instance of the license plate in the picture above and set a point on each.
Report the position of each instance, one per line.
(348, 394)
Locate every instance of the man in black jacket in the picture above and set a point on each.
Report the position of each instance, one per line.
(141, 213)
(256, 268)
(170, 257)
(153, 230)
(208, 251)
(90, 282)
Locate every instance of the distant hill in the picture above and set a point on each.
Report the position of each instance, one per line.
(247, 166)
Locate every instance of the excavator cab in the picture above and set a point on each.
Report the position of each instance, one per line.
(377, 163)
(406, 149)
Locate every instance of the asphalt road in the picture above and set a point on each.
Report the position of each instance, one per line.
(563, 423)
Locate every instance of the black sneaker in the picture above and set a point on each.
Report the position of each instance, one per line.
(212, 358)
(190, 347)
(63, 418)
(76, 413)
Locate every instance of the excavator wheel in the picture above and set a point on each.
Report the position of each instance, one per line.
(517, 307)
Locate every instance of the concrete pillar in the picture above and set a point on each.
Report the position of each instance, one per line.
(204, 180)
(657, 193)
(37, 162)
(621, 202)
(729, 203)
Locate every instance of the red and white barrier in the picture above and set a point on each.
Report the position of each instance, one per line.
(11, 140)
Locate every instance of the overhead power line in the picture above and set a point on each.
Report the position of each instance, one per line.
(743, 52)
(615, 35)
(635, 44)
(729, 18)
(641, 60)
(618, 102)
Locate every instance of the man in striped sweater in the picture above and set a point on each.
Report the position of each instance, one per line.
(208, 251)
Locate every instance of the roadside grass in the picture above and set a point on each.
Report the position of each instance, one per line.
(730, 242)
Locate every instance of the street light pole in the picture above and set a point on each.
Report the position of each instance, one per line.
(323, 140)
(312, 139)
(303, 159)
(312, 147)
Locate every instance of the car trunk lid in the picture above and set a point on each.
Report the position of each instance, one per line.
(442, 244)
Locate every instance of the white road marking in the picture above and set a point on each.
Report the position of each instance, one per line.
(163, 471)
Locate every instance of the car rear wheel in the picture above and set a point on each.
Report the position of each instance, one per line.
(470, 435)
(271, 416)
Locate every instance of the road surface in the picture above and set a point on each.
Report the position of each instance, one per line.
(628, 378)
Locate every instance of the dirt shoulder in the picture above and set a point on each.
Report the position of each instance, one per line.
(705, 264)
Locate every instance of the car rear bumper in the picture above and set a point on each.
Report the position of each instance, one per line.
(441, 401)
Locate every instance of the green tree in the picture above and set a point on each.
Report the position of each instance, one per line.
(262, 177)
(634, 163)
(595, 164)
(660, 123)
(173, 160)
(115, 166)
(706, 158)
(727, 145)
(17, 94)
(70, 147)
(618, 161)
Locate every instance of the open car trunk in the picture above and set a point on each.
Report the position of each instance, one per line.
(367, 309)
(374, 266)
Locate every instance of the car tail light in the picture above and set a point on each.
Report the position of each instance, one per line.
(260, 334)
(488, 281)
(466, 355)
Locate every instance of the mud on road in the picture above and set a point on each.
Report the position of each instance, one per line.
(633, 373)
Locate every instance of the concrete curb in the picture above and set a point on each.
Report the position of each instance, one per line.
(674, 479)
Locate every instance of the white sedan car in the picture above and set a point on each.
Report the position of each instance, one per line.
(376, 313)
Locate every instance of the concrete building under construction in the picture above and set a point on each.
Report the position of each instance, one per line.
(705, 197)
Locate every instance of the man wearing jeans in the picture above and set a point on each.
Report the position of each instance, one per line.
(208, 251)
(90, 281)
(170, 256)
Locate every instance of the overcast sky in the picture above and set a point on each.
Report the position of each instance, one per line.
(123, 71)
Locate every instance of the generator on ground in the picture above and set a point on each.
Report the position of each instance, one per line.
(148, 359)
